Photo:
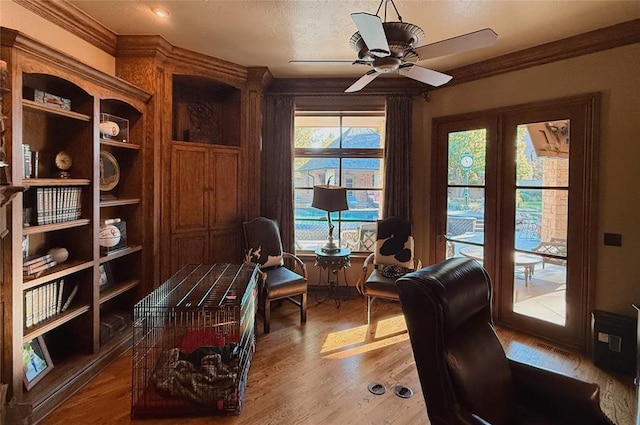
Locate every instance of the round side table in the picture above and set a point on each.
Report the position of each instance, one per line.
(333, 262)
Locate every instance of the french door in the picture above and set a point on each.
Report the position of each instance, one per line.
(515, 190)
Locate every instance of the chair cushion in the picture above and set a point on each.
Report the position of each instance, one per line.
(378, 285)
(282, 282)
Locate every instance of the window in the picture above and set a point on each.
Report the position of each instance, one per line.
(343, 149)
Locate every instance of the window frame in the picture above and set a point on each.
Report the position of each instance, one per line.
(341, 154)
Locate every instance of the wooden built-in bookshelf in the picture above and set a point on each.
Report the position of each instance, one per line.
(57, 104)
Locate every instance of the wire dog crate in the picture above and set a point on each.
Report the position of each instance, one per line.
(193, 340)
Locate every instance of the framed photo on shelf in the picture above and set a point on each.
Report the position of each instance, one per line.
(105, 279)
(36, 362)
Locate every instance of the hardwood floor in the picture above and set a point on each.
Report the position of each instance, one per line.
(319, 373)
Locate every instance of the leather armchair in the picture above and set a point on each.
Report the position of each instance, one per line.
(465, 375)
(264, 247)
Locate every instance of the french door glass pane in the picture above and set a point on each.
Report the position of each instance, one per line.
(465, 222)
(541, 220)
(466, 158)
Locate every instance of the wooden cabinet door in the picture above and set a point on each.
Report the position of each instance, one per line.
(189, 189)
(206, 215)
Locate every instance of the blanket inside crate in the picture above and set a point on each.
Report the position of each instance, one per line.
(205, 375)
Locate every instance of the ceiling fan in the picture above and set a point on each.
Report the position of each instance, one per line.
(395, 47)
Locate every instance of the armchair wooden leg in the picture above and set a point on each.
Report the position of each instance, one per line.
(267, 316)
(368, 300)
(303, 308)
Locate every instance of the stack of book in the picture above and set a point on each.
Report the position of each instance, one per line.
(46, 301)
(37, 265)
(57, 204)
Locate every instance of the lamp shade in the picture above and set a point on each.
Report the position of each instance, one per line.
(330, 198)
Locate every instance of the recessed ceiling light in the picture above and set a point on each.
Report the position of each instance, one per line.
(159, 12)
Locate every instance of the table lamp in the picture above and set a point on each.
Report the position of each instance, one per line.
(330, 199)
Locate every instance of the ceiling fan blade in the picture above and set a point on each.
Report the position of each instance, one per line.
(427, 76)
(372, 32)
(362, 81)
(461, 43)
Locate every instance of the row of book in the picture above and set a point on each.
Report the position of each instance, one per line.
(37, 265)
(57, 204)
(47, 300)
(30, 162)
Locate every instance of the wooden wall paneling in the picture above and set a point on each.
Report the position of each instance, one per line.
(189, 248)
(230, 193)
(225, 244)
(260, 79)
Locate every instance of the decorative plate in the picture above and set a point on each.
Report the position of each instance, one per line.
(109, 171)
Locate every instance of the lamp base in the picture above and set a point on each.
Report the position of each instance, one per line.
(330, 248)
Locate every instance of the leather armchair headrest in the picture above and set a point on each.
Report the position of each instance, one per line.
(459, 302)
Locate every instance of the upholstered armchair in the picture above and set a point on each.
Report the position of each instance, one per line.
(264, 247)
(465, 375)
(392, 257)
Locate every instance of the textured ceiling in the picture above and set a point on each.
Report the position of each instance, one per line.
(271, 33)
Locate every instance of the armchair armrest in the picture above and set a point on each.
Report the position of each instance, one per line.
(363, 275)
(563, 396)
(297, 262)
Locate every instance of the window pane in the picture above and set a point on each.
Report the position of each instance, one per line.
(466, 159)
(308, 172)
(541, 221)
(465, 214)
(542, 218)
(362, 172)
(542, 151)
(363, 132)
(315, 132)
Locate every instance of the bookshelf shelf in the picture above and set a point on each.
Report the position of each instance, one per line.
(117, 289)
(120, 253)
(57, 272)
(54, 322)
(35, 106)
(117, 144)
(119, 202)
(32, 230)
(37, 182)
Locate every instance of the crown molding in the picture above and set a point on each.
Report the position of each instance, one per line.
(158, 48)
(22, 42)
(582, 44)
(72, 19)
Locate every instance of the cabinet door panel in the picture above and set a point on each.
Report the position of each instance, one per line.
(224, 196)
(225, 245)
(189, 203)
(188, 249)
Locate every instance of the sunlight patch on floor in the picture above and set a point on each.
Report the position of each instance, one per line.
(390, 326)
(341, 339)
(375, 345)
(360, 339)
